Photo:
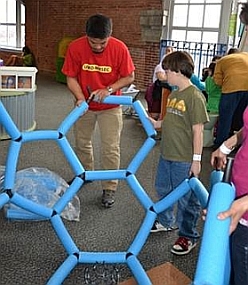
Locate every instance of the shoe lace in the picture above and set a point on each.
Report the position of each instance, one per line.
(183, 242)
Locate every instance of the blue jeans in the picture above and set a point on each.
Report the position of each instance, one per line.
(169, 175)
(239, 256)
(229, 103)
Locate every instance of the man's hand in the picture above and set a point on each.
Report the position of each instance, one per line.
(99, 95)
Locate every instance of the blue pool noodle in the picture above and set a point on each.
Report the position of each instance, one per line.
(72, 118)
(63, 235)
(213, 266)
(63, 271)
(138, 271)
(4, 198)
(141, 155)
(147, 125)
(8, 123)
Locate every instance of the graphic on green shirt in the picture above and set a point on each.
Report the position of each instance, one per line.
(184, 109)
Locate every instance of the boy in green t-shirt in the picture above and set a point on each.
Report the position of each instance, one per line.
(181, 149)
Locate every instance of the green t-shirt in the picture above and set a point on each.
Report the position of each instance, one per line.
(214, 94)
(184, 109)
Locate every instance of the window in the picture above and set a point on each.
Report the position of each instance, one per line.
(196, 20)
(12, 24)
(206, 21)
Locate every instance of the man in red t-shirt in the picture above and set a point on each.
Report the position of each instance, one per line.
(99, 64)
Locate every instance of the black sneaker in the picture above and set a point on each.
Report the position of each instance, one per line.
(157, 227)
(108, 198)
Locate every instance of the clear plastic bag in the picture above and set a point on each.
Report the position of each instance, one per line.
(44, 187)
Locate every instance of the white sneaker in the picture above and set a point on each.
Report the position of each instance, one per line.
(182, 246)
(157, 227)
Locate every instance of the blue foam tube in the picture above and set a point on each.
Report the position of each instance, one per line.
(143, 233)
(139, 192)
(141, 155)
(215, 177)
(76, 183)
(103, 257)
(119, 100)
(106, 174)
(199, 190)
(63, 271)
(67, 196)
(31, 206)
(138, 271)
(20, 214)
(63, 235)
(213, 266)
(11, 164)
(8, 123)
(148, 127)
(172, 198)
(72, 118)
(4, 198)
(70, 155)
(40, 135)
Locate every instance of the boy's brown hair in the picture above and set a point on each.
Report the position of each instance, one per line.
(179, 61)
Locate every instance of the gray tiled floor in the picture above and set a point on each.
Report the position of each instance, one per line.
(30, 252)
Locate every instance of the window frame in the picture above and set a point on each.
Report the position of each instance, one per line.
(19, 24)
(224, 21)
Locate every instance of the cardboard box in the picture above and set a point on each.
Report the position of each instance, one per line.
(163, 274)
(17, 78)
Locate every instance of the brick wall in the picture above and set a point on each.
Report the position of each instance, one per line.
(137, 23)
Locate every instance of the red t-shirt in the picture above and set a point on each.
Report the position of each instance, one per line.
(97, 70)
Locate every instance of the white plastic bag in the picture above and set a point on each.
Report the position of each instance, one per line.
(44, 187)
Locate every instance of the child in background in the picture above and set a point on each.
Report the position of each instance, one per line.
(213, 90)
(181, 149)
(26, 59)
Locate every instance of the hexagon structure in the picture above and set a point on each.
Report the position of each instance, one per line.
(130, 257)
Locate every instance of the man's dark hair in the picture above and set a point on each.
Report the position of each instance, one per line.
(99, 26)
(244, 14)
(179, 61)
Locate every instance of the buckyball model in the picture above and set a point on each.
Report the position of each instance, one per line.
(213, 265)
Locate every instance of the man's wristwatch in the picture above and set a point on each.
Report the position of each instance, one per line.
(110, 89)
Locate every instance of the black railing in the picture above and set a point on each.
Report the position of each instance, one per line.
(202, 53)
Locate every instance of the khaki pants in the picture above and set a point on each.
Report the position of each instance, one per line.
(110, 125)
